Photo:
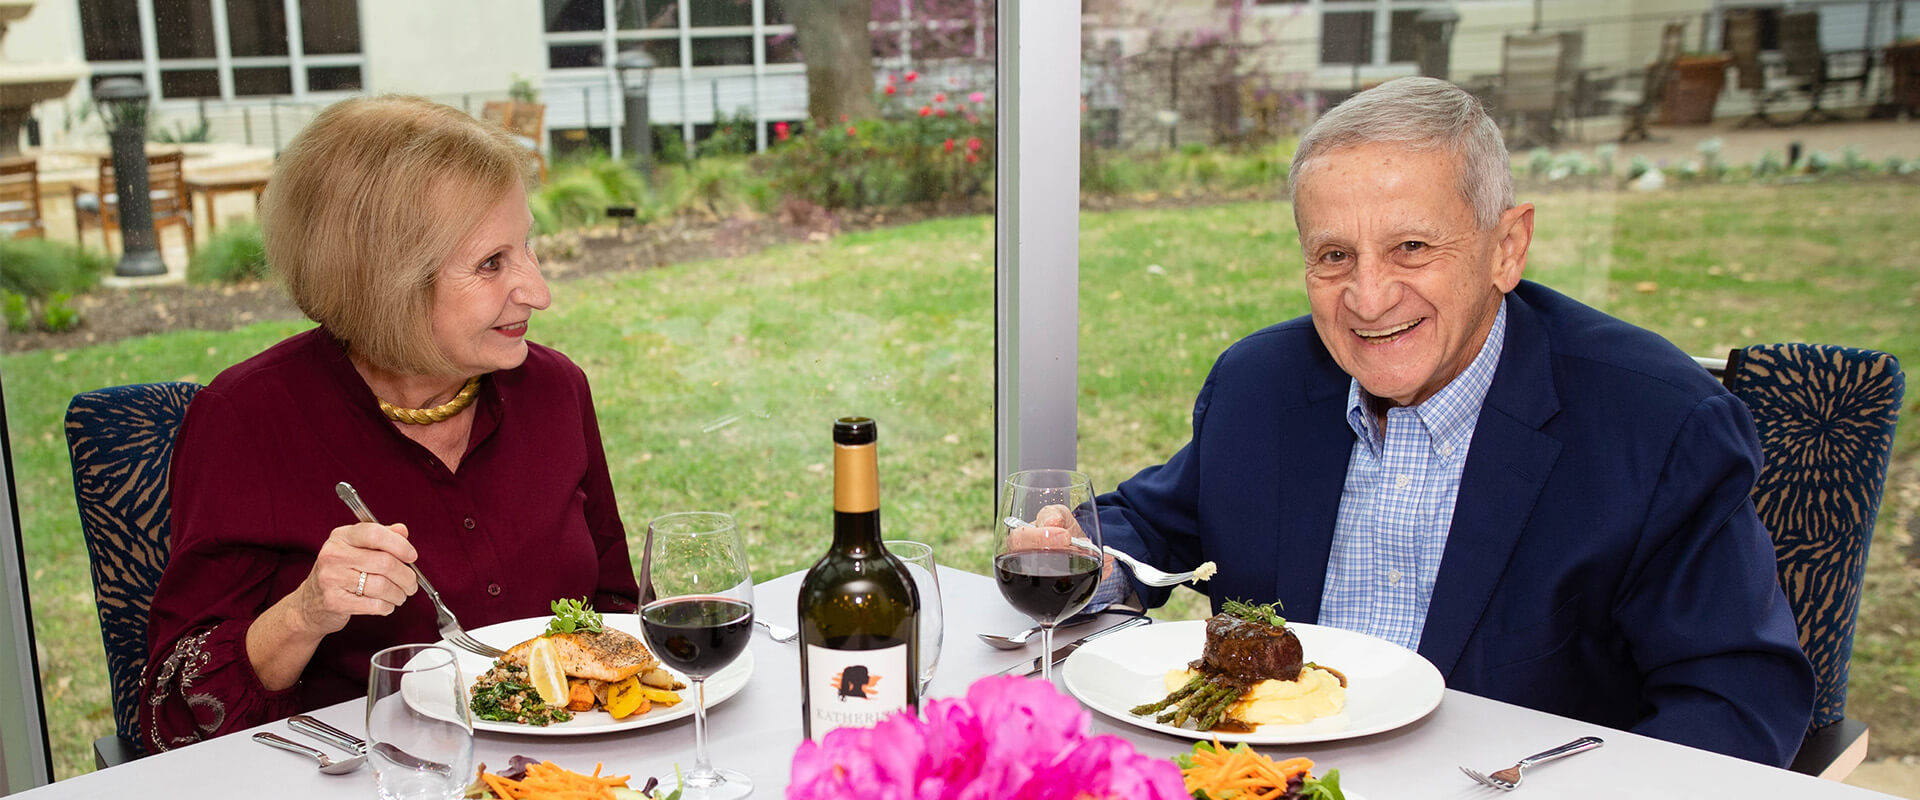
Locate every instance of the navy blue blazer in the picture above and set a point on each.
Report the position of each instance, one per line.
(1604, 561)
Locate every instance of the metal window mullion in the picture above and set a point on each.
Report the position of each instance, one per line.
(759, 75)
(685, 77)
(296, 49)
(26, 759)
(1037, 236)
(1382, 31)
(150, 50)
(222, 49)
(616, 109)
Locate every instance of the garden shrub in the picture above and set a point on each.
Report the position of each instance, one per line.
(236, 253)
(937, 150)
(37, 268)
(59, 314)
(19, 315)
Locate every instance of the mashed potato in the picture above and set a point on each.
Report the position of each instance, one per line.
(1316, 694)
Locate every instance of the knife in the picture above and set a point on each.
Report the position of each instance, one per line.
(1059, 654)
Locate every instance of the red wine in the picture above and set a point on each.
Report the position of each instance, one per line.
(697, 634)
(1047, 584)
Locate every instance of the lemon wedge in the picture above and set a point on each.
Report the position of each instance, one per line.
(543, 670)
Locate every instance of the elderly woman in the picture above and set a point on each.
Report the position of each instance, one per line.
(401, 227)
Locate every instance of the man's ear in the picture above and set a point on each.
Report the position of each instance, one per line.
(1515, 232)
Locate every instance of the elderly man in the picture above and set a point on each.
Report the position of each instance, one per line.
(1549, 504)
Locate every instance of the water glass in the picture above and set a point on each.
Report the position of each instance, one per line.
(918, 557)
(419, 730)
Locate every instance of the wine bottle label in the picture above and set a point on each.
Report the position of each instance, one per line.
(855, 688)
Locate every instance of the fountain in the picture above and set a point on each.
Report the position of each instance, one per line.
(22, 85)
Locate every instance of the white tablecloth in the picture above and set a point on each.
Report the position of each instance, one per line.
(757, 730)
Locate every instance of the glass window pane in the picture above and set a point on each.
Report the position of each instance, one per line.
(783, 48)
(1346, 37)
(562, 56)
(177, 83)
(329, 27)
(722, 51)
(945, 41)
(252, 81)
(717, 13)
(1400, 39)
(333, 79)
(257, 27)
(111, 29)
(575, 15)
(635, 15)
(665, 52)
(776, 12)
(184, 28)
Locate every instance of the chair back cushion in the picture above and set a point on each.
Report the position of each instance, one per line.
(121, 442)
(1826, 416)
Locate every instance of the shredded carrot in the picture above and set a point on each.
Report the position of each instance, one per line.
(1241, 772)
(549, 781)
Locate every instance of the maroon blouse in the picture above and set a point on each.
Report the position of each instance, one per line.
(528, 518)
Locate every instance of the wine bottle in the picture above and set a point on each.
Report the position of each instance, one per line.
(859, 610)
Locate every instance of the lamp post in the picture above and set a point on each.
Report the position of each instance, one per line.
(636, 78)
(1433, 40)
(123, 103)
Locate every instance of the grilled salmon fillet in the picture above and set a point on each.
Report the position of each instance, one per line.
(609, 655)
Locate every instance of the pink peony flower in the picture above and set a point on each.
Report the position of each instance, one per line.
(891, 89)
(1009, 739)
(977, 98)
(940, 97)
(912, 76)
(973, 143)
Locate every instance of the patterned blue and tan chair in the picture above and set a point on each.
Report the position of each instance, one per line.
(121, 443)
(1826, 417)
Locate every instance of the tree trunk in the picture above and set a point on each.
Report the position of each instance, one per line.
(838, 52)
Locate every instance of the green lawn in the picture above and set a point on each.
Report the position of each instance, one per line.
(716, 381)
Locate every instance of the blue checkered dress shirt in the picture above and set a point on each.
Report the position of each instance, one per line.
(1397, 503)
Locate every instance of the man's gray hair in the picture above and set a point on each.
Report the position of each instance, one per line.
(1422, 113)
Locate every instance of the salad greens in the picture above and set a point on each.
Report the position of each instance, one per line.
(573, 616)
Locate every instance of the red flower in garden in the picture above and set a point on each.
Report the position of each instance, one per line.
(926, 111)
(939, 112)
(948, 145)
(940, 98)
(891, 90)
(973, 143)
(973, 158)
(851, 131)
(782, 130)
(912, 76)
(843, 118)
(973, 119)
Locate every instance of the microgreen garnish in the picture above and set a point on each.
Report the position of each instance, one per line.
(1264, 613)
(573, 616)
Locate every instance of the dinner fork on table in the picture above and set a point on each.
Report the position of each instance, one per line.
(1508, 779)
(442, 616)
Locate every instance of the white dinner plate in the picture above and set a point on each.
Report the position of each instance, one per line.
(1387, 685)
(724, 684)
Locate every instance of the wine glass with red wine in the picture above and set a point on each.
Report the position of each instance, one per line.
(1048, 560)
(699, 621)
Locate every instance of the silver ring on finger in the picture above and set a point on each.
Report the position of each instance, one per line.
(360, 589)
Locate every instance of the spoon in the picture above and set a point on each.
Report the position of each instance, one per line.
(328, 765)
(1020, 639)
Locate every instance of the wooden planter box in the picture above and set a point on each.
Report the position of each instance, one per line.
(1903, 68)
(1693, 89)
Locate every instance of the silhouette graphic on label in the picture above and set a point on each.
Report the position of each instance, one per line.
(855, 682)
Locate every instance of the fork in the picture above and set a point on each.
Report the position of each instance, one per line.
(1144, 573)
(1508, 779)
(776, 632)
(442, 616)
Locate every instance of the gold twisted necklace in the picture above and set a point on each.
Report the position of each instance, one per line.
(439, 413)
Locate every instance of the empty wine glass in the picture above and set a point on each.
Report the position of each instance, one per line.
(699, 621)
(419, 730)
(1048, 559)
(918, 558)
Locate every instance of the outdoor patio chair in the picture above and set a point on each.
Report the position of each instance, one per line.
(1750, 69)
(1826, 417)
(166, 186)
(1532, 93)
(1808, 64)
(120, 440)
(20, 199)
(1653, 85)
(526, 121)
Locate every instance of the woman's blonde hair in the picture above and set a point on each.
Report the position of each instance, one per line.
(364, 206)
